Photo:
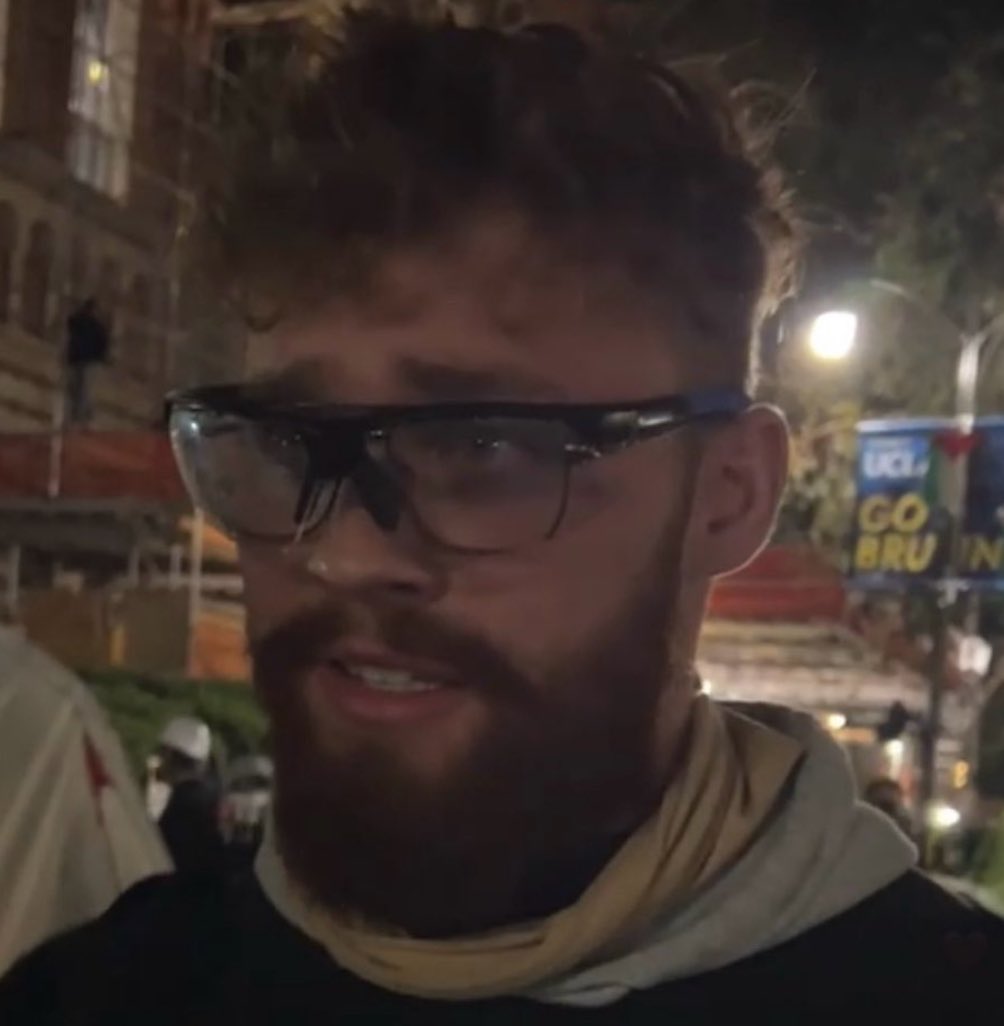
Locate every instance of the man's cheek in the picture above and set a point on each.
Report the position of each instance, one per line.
(262, 612)
(538, 619)
(270, 596)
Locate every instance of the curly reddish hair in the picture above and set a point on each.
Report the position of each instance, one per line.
(393, 130)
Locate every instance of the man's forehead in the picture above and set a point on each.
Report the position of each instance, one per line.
(490, 312)
(317, 379)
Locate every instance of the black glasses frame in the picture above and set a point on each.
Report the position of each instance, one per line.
(599, 429)
(602, 427)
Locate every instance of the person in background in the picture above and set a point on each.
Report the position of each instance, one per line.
(886, 795)
(87, 344)
(247, 794)
(155, 789)
(189, 823)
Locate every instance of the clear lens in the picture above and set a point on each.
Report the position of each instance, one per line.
(248, 475)
(487, 484)
(474, 484)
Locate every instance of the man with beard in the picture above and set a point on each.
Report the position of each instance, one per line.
(497, 447)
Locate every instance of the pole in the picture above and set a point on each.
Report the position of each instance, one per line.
(57, 438)
(175, 570)
(967, 379)
(944, 593)
(971, 355)
(931, 732)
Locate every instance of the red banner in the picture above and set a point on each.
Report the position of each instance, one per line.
(92, 465)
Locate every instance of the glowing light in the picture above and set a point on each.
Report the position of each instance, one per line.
(943, 817)
(975, 655)
(836, 721)
(960, 774)
(97, 71)
(833, 334)
(706, 687)
(894, 748)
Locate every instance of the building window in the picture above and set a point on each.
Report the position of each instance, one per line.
(8, 245)
(37, 279)
(103, 93)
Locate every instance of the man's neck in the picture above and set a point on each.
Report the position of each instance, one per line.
(559, 884)
(549, 884)
(547, 888)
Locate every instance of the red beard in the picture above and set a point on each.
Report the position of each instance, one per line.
(547, 781)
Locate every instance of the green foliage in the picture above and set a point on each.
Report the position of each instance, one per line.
(896, 154)
(900, 156)
(139, 706)
(943, 227)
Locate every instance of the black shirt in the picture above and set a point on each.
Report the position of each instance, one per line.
(195, 951)
(87, 338)
(190, 826)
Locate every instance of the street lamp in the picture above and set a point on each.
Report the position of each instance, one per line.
(831, 337)
(833, 334)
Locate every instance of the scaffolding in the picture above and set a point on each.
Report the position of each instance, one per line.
(143, 99)
(141, 94)
(118, 164)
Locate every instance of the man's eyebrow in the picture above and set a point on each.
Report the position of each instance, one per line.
(444, 382)
(305, 382)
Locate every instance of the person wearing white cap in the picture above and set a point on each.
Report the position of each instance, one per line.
(190, 820)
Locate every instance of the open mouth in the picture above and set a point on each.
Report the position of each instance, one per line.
(376, 686)
(378, 678)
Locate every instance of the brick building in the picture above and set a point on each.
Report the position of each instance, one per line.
(104, 105)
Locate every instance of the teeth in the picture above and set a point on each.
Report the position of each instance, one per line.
(389, 680)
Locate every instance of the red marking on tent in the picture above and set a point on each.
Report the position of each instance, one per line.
(97, 775)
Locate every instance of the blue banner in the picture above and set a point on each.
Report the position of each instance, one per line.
(983, 530)
(909, 492)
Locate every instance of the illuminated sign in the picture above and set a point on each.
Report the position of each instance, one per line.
(909, 474)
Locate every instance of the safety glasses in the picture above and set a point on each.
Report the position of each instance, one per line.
(475, 477)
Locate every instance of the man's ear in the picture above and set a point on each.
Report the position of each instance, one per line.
(740, 483)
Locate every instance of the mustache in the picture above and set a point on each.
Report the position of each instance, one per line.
(305, 639)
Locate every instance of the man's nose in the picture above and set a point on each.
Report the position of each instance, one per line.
(350, 552)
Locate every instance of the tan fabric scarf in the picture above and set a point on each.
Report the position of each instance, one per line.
(731, 778)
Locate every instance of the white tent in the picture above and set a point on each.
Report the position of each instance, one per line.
(74, 833)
